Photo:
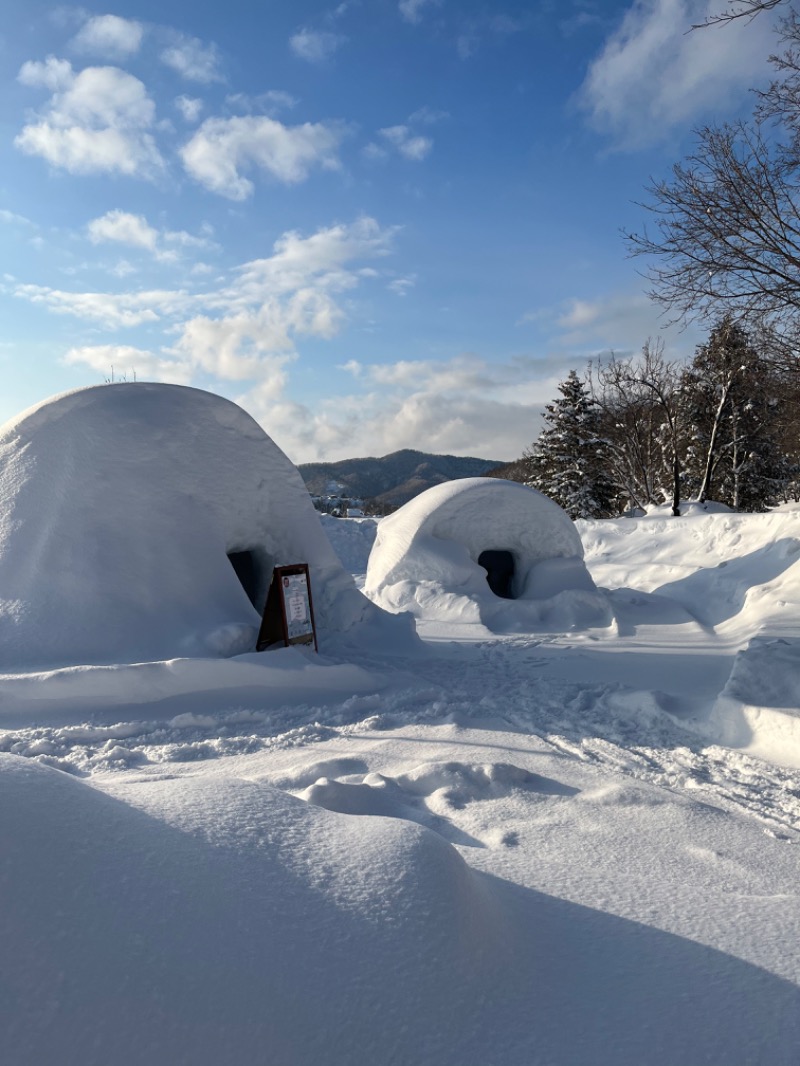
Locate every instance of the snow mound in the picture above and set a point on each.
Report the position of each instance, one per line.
(120, 507)
(213, 919)
(738, 577)
(352, 540)
(428, 558)
(236, 924)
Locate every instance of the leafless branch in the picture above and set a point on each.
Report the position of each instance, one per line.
(742, 9)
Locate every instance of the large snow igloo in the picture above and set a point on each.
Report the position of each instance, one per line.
(141, 522)
(489, 551)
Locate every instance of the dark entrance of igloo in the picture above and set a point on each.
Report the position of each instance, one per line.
(499, 567)
(247, 568)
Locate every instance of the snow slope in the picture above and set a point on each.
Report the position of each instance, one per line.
(545, 849)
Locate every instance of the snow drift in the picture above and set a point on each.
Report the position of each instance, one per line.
(435, 557)
(213, 919)
(122, 510)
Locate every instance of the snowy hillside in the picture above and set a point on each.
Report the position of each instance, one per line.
(567, 849)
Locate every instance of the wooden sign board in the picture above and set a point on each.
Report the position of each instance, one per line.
(289, 612)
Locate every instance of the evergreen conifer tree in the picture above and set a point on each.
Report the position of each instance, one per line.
(568, 460)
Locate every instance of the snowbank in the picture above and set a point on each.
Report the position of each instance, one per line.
(119, 507)
(210, 919)
(426, 559)
(352, 540)
(737, 578)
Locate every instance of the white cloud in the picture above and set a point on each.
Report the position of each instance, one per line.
(617, 321)
(411, 10)
(321, 261)
(134, 230)
(123, 227)
(110, 36)
(267, 103)
(374, 152)
(464, 406)
(407, 143)
(246, 330)
(315, 46)
(95, 121)
(110, 310)
(292, 293)
(653, 76)
(403, 139)
(122, 269)
(402, 286)
(247, 346)
(189, 107)
(221, 148)
(54, 74)
(125, 361)
(249, 328)
(428, 116)
(11, 218)
(193, 60)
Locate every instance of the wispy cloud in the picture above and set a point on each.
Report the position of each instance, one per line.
(190, 107)
(315, 46)
(653, 76)
(244, 330)
(53, 74)
(412, 10)
(464, 405)
(223, 147)
(109, 310)
(404, 139)
(193, 60)
(266, 103)
(408, 144)
(474, 31)
(402, 286)
(121, 227)
(109, 36)
(619, 321)
(97, 121)
(11, 218)
(123, 360)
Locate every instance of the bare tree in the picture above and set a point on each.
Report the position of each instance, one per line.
(742, 9)
(726, 225)
(662, 379)
(727, 232)
(642, 423)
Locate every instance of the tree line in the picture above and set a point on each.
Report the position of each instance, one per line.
(641, 430)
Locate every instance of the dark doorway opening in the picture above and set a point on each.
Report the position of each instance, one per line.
(249, 574)
(499, 567)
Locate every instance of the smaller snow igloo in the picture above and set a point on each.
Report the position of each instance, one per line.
(489, 551)
(140, 522)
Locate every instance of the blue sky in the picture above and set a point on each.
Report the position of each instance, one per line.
(375, 225)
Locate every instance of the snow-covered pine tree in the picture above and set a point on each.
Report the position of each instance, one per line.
(568, 460)
(735, 455)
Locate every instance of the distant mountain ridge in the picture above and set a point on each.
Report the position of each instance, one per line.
(393, 479)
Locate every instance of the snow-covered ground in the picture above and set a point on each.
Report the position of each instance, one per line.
(553, 849)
